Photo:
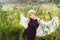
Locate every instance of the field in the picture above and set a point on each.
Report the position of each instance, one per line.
(10, 27)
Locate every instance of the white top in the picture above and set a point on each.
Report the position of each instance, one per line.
(45, 28)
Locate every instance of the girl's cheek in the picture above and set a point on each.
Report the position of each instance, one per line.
(31, 17)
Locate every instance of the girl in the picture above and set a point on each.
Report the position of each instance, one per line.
(30, 31)
(36, 26)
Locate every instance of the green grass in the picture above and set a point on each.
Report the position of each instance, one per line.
(10, 28)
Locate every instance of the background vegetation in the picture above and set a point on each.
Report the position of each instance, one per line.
(10, 27)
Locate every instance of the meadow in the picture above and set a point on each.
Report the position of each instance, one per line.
(10, 27)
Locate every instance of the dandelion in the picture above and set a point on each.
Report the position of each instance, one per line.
(10, 18)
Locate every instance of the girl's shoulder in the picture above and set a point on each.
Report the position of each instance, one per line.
(38, 19)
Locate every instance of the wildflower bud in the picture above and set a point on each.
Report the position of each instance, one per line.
(10, 18)
(50, 15)
(48, 27)
(46, 32)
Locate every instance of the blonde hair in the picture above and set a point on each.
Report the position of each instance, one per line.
(28, 15)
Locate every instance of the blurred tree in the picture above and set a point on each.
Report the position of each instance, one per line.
(23, 1)
(34, 1)
(57, 1)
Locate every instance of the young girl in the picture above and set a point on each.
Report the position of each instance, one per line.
(36, 26)
(30, 31)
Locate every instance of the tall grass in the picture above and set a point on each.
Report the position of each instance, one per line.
(10, 28)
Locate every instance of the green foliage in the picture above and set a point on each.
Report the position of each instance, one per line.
(10, 28)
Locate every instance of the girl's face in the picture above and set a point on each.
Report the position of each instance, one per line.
(32, 15)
